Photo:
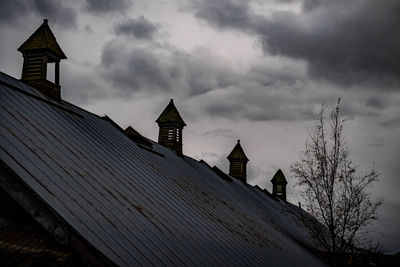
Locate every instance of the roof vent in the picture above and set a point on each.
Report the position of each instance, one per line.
(40, 49)
(279, 185)
(137, 137)
(171, 125)
(237, 163)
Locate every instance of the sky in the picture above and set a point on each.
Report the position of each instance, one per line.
(256, 70)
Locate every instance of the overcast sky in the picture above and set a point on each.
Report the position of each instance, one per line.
(254, 70)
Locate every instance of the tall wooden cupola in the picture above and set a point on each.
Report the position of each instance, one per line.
(39, 50)
(237, 163)
(171, 125)
(279, 185)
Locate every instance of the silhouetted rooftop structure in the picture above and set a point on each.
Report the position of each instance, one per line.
(113, 197)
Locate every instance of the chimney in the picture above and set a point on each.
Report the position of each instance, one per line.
(40, 49)
(279, 185)
(237, 163)
(171, 125)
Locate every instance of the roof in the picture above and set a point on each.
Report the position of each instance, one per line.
(238, 153)
(170, 114)
(279, 178)
(134, 206)
(43, 39)
(137, 137)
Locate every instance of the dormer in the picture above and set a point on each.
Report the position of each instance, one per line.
(279, 185)
(237, 163)
(171, 125)
(40, 50)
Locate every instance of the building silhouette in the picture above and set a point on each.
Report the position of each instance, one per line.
(77, 190)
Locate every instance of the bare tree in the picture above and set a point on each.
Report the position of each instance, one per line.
(336, 196)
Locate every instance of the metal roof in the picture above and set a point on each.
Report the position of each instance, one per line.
(134, 206)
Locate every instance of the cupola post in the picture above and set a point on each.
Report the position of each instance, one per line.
(40, 49)
(279, 185)
(171, 125)
(237, 163)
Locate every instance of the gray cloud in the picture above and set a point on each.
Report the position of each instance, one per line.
(220, 132)
(346, 42)
(139, 28)
(210, 86)
(160, 68)
(106, 6)
(13, 11)
(138, 69)
(375, 102)
(224, 13)
(55, 11)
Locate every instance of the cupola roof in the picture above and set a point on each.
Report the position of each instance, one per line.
(170, 114)
(238, 153)
(279, 178)
(43, 39)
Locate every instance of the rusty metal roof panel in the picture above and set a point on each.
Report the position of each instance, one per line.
(134, 206)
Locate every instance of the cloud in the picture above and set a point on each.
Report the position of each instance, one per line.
(268, 89)
(209, 86)
(219, 132)
(345, 42)
(11, 10)
(224, 13)
(56, 13)
(139, 28)
(16, 10)
(137, 69)
(106, 6)
(154, 68)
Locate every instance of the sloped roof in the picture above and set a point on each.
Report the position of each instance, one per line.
(279, 178)
(42, 38)
(170, 114)
(238, 153)
(136, 207)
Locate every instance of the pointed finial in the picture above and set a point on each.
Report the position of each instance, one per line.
(45, 21)
(238, 140)
(171, 100)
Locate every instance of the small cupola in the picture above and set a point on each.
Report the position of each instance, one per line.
(279, 185)
(171, 125)
(237, 163)
(39, 50)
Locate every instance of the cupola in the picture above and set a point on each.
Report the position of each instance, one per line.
(171, 125)
(279, 185)
(39, 50)
(237, 163)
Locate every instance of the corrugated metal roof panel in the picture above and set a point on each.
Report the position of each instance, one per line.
(136, 207)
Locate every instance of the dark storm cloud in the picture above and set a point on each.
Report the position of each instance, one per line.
(56, 13)
(346, 42)
(156, 68)
(224, 13)
(12, 11)
(212, 88)
(138, 69)
(217, 91)
(139, 28)
(106, 6)
(375, 103)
